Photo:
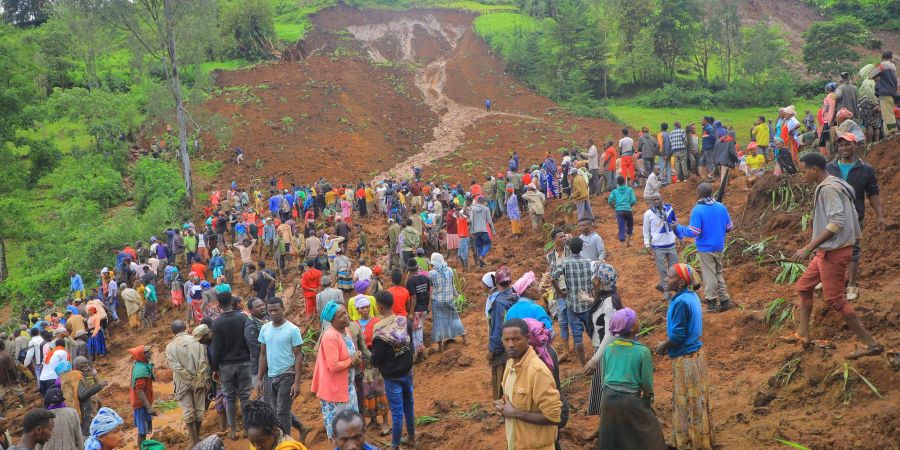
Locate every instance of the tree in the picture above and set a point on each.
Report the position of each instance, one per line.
(672, 27)
(828, 48)
(106, 114)
(705, 36)
(87, 33)
(540, 8)
(630, 17)
(18, 84)
(25, 13)
(248, 28)
(762, 50)
(729, 37)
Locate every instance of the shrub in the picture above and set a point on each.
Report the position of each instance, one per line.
(156, 179)
(90, 177)
(673, 96)
(246, 27)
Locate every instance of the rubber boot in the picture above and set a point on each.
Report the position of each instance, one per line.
(712, 305)
(725, 305)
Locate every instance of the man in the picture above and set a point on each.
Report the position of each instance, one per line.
(626, 153)
(393, 232)
(410, 240)
(231, 359)
(363, 272)
(809, 123)
(281, 365)
(502, 302)
(310, 282)
(37, 428)
(581, 197)
(87, 385)
(760, 135)
(835, 229)
(593, 160)
(659, 238)
(861, 177)
(257, 319)
(535, 200)
(708, 225)
(35, 354)
(679, 142)
(885, 76)
(845, 95)
(622, 199)
(707, 142)
(531, 403)
(648, 147)
(419, 287)
(481, 221)
(350, 428)
(76, 285)
(260, 281)
(190, 374)
(263, 430)
(651, 187)
(578, 289)
(592, 243)
(9, 378)
(141, 394)
(329, 293)
(609, 165)
(665, 153)
(246, 251)
(58, 355)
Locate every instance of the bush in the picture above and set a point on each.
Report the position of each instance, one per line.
(90, 177)
(246, 27)
(155, 179)
(745, 93)
(673, 96)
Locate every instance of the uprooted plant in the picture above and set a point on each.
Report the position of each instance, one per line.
(778, 313)
(790, 272)
(846, 372)
(787, 371)
(758, 250)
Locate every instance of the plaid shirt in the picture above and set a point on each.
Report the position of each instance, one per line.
(577, 272)
(678, 139)
(442, 286)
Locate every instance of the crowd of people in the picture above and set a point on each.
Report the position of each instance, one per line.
(364, 322)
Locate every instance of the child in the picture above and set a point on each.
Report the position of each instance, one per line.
(141, 394)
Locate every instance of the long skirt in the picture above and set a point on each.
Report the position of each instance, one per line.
(626, 422)
(418, 336)
(374, 398)
(692, 422)
(331, 409)
(515, 226)
(151, 311)
(96, 345)
(445, 322)
(345, 283)
(596, 395)
(452, 241)
(196, 310)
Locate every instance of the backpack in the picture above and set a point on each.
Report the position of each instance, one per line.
(786, 161)
(285, 205)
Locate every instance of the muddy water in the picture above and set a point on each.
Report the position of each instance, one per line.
(430, 80)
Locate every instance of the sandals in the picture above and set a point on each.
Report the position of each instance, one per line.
(872, 350)
(795, 338)
(852, 292)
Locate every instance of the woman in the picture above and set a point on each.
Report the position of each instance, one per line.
(336, 364)
(217, 264)
(525, 307)
(151, 306)
(826, 113)
(692, 422)
(97, 342)
(606, 303)
(106, 431)
(845, 124)
(66, 425)
(869, 112)
(512, 211)
(446, 324)
(342, 269)
(361, 288)
(374, 399)
(626, 420)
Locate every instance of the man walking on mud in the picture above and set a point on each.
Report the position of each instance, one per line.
(835, 229)
(709, 224)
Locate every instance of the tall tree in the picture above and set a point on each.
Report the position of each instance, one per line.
(25, 13)
(705, 36)
(673, 26)
(828, 48)
(630, 17)
(762, 49)
(87, 32)
(729, 37)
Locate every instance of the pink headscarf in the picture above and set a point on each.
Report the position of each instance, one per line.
(844, 113)
(522, 283)
(539, 337)
(622, 321)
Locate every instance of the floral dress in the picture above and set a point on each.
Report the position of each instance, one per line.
(331, 409)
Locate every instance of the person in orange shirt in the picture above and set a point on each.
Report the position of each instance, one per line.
(475, 189)
(609, 163)
(200, 269)
(310, 282)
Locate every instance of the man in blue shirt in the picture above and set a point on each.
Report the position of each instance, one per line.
(709, 224)
(281, 365)
(76, 285)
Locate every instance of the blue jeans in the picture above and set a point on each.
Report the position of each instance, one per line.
(399, 392)
(482, 244)
(463, 250)
(563, 315)
(665, 170)
(625, 221)
(578, 322)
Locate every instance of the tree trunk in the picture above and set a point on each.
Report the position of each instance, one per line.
(3, 271)
(179, 104)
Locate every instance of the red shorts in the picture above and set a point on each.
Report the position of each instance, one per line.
(827, 267)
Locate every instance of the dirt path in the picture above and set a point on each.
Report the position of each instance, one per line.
(430, 80)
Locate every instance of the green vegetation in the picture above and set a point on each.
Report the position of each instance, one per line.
(881, 14)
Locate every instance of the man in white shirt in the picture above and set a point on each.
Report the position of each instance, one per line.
(652, 186)
(35, 353)
(48, 375)
(363, 272)
(626, 160)
(593, 160)
(659, 236)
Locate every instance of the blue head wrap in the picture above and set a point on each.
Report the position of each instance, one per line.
(329, 311)
(224, 287)
(205, 284)
(105, 421)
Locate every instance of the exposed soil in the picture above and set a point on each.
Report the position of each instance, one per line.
(410, 87)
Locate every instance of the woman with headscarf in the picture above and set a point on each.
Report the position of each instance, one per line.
(97, 342)
(525, 307)
(626, 419)
(106, 431)
(336, 364)
(446, 323)
(151, 304)
(374, 401)
(606, 303)
(342, 269)
(869, 110)
(692, 422)
(66, 425)
(846, 125)
(361, 288)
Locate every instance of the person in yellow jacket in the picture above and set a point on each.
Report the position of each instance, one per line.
(760, 134)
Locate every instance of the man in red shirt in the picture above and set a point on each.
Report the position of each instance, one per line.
(311, 281)
(401, 295)
(475, 189)
(462, 229)
(609, 163)
(200, 269)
